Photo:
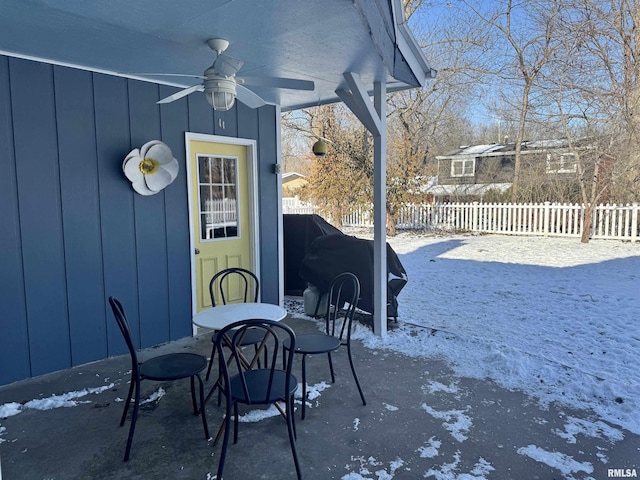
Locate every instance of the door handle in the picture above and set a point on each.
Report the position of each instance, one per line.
(197, 251)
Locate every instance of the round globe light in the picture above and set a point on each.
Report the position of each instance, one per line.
(320, 148)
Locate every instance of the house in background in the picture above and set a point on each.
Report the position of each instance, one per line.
(73, 231)
(470, 172)
(291, 183)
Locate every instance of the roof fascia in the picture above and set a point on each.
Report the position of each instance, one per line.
(495, 154)
(408, 45)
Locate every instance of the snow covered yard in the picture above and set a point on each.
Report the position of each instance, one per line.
(554, 318)
(551, 316)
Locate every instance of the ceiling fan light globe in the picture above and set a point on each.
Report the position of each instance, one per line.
(220, 93)
(220, 101)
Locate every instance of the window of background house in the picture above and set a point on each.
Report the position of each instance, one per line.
(463, 168)
(563, 163)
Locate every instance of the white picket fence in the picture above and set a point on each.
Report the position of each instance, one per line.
(293, 205)
(619, 222)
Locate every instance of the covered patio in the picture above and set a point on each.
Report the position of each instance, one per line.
(415, 425)
(81, 85)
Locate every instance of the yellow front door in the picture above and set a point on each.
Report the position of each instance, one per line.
(221, 212)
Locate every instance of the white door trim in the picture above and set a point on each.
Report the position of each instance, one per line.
(254, 222)
(278, 120)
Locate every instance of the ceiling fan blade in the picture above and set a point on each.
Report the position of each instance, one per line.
(182, 93)
(146, 74)
(249, 98)
(277, 82)
(227, 66)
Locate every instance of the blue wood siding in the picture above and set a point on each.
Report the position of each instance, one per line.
(15, 363)
(174, 122)
(268, 209)
(150, 226)
(249, 123)
(73, 231)
(40, 210)
(80, 213)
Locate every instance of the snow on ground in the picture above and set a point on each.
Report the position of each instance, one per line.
(65, 400)
(562, 462)
(553, 317)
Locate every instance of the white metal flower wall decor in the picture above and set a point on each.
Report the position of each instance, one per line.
(151, 168)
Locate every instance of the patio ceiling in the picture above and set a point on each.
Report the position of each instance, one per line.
(302, 39)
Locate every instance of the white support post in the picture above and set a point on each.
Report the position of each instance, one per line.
(380, 212)
(374, 118)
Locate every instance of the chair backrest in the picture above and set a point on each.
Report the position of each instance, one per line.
(233, 360)
(342, 300)
(123, 324)
(245, 282)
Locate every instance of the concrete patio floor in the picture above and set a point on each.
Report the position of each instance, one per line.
(409, 428)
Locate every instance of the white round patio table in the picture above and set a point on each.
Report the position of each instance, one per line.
(220, 316)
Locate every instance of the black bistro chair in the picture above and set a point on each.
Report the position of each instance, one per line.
(248, 288)
(242, 382)
(342, 299)
(163, 368)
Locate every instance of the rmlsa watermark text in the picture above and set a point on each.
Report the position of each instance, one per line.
(622, 473)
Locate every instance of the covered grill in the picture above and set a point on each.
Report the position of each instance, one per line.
(330, 255)
(299, 232)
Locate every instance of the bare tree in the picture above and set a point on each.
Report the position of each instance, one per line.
(423, 123)
(294, 152)
(595, 84)
(528, 33)
(340, 181)
(410, 7)
(604, 85)
(438, 116)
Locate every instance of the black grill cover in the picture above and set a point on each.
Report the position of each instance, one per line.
(331, 255)
(299, 232)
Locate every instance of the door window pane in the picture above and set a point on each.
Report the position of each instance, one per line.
(218, 183)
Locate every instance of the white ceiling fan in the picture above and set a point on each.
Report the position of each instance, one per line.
(221, 86)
